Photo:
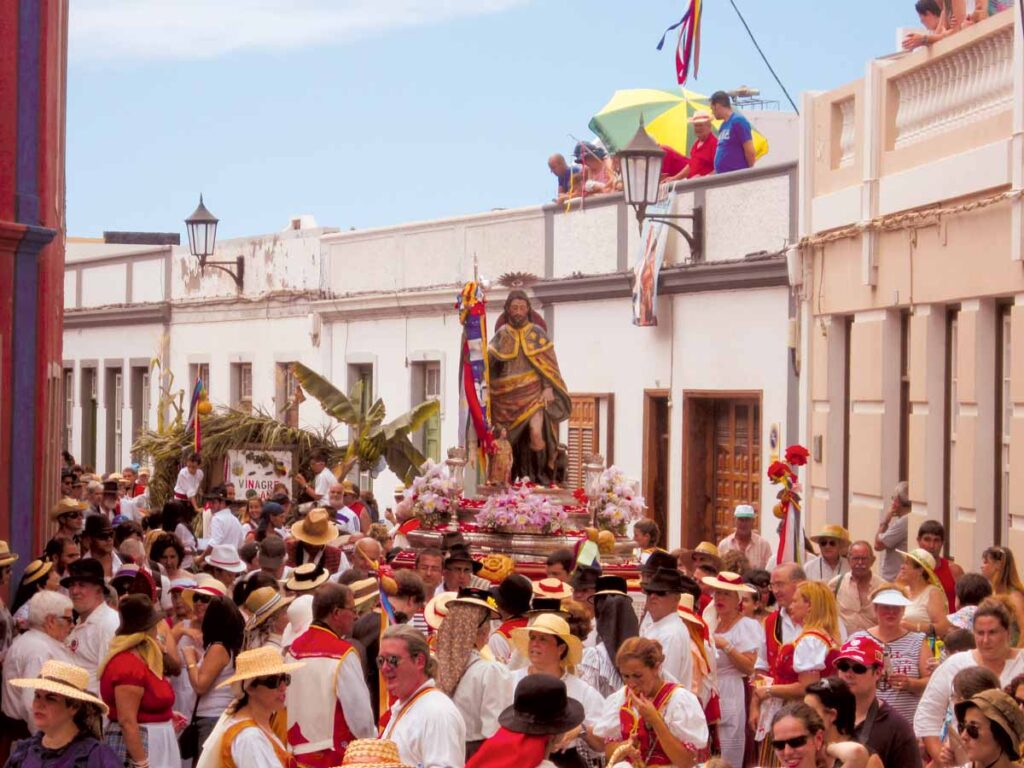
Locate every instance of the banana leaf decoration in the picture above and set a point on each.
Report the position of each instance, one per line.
(370, 438)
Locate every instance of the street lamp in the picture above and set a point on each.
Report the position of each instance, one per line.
(641, 176)
(202, 239)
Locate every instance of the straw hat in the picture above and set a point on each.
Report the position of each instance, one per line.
(315, 528)
(36, 570)
(6, 556)
(263, 603)
(437, 609)
(64, 680)
(836, 532)
(364, 592)
(205, 585)
(920, 556)
(730, 582)
(260, 662)
(708, 549)
(549, 624)
(686, 611)
(373, 753)
(307, 577)
(66, 506)
(553, 588)
(478, 597)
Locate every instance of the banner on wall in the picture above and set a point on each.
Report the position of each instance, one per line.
(258, 469)
(650, 256)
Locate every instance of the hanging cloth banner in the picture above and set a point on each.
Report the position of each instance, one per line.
(473, 369)
(649, 258)
(193, 412)
(688, 44)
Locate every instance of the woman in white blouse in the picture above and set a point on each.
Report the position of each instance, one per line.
(244, 735)
(662, 722)
(927, 598)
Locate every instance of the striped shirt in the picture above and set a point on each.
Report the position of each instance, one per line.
(903, 657)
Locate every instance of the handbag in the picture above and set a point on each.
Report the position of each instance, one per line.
(188, 739)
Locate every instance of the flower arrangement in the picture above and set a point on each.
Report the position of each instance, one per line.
(617, 502)
(784, 473)
(520, 510)
(431, 497)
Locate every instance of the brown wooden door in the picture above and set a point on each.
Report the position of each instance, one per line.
(737, 460)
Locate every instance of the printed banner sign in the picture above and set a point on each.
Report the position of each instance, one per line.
(650, 256)
(258, 470)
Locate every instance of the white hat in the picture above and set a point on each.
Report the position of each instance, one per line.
(225, 557)
(891, 597)
(744, 510)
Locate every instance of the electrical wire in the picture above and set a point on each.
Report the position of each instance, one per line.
(763, 57)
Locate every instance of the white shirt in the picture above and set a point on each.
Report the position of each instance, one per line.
(90, 640)
(931, 711)
(25, 658)
(818, 569)
(225, 528)
(483, 692)
(354, 697)
(347, 520)
(188, 484)
(252, 748)
(431, 733)
(674, 637)
(682, 713)
(322, 484)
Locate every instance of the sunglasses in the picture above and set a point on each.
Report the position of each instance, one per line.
(969, 729)
(273, 681)
(200, 599)
(794, 743)
(828, 543)
(851, 666)
(390, 661)
(103, 535)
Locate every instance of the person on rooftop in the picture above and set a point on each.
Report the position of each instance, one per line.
(735, 150)
(569, 177)
(598, 174)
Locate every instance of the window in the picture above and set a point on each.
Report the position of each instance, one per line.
(69, 408)
(589, 431)
(199, 371)
(147, 400)
(1006, 423)
(952, 416)
(905, 407)
(89, 382)
(361, 373)
(118, 417)
(139, 401)
(286, 399)
(426, 385)
(241, 386)
(113, 403)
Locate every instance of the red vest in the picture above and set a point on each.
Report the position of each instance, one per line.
(320, 643)
(784, 674)
(945, 575)
(505, 630)
(773, 639)
(632, 726)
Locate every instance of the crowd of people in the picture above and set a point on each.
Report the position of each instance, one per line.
(219, 632)
(593, 171)
(942, 18)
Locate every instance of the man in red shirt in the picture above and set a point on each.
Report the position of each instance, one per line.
(702, 154)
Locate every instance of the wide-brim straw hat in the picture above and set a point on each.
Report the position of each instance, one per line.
(436, 609)
(555, 589)
(316, 528)
(920, 556)
(36, 570)
(687, 613)
(549, 624)
(263, 603)
(373, 753)
(205, 585)
(63, 679)
(66, 506)
(364, 592)
(729, 582)
(6, 556)
(307, 577)
(478, 597)
(260, 662)
(836, 532)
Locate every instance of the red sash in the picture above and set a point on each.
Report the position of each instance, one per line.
(634, 728)
(945, 576)
(505, 630)
(773, 639)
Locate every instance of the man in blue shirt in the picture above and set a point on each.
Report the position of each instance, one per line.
(567, 185)
(735, 142)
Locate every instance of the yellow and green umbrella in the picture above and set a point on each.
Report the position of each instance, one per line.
(666, 116)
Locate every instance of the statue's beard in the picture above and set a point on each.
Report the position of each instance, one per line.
(518, 322)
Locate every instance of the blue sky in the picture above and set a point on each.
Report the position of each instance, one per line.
(371, 112)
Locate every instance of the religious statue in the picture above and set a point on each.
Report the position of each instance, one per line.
(527, 392)
(499, 468)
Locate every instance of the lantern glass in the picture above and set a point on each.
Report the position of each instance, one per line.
(641, 169)
(202, 231)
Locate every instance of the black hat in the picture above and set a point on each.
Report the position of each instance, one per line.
(611, 585)
(541, 707)
(97, 526)
(110, 488)
(474, 596)
(513, 594)
(87, 570)
(217, 492)
(547, 605)
(665, 580)
(137, 614)
(659, 559)
(586, 577)
(459, 553)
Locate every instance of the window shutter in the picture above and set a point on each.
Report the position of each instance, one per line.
(583, 435)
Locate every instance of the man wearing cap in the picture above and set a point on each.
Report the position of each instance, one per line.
(459, 570)
(512, 597)
(330, 682)
(853, 589)
(831, 562)
(68, 514)
(746, 540)
(90, 639)
(860, 664)
(224, 526)
(310, 542)
(663, 593)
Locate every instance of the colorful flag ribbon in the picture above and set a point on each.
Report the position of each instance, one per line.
(474, 370)
(193, 412)
(688, 44)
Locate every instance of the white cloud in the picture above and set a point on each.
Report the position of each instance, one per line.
(194, 29)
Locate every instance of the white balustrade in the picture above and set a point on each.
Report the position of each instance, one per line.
(971, 83)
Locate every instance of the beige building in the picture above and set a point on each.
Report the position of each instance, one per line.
(910, 275)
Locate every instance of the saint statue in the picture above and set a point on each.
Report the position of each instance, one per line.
(527, 393)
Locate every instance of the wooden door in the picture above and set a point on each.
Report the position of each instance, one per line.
(737, 451)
